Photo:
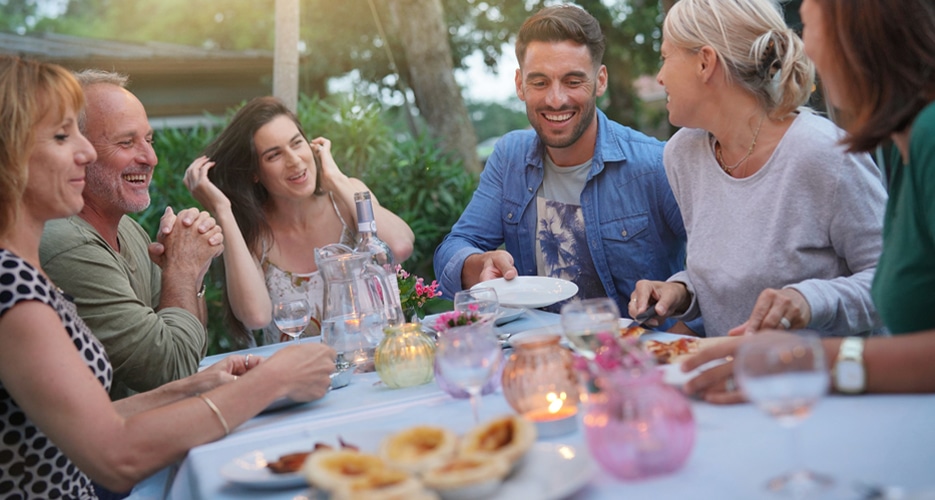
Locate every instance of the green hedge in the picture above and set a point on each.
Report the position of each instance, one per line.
(410, 176)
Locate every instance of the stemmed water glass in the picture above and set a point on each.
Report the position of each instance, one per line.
(482, 301)
(468, 356)
(784, 374)
(292, 316)
(582, 320)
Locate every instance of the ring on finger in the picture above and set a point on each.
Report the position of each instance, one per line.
(730, 385)
(246, 361)
(784, 322)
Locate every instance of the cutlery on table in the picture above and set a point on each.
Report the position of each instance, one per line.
(648, 314)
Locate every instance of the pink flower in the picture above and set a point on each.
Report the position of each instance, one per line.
(414, 294)
(614, 354)
(452, 319)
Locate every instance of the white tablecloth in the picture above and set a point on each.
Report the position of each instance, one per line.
(887, 440)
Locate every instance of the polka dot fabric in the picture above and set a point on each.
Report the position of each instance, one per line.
(31, 467)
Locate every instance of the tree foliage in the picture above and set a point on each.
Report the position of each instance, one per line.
(345, 37)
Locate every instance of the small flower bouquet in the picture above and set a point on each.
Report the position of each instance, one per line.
(414, 295)
(453, 319)
(613, 357)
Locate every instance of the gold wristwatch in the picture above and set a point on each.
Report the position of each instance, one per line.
(849, 374)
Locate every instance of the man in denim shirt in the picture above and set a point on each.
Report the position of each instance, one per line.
(579, 197)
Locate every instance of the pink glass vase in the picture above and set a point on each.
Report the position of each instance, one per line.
(635, 425)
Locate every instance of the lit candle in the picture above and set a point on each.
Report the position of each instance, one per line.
(548, 416)
(556, 418)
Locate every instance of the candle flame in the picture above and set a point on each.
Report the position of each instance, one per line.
(556, 401)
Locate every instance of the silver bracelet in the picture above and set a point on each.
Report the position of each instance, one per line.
(217, 411)
(201, 293)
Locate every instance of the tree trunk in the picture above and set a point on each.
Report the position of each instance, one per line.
(286, 55)
(424, 38)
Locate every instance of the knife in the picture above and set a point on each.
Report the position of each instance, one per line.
(646, 315)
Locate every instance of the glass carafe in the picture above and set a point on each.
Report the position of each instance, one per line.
(355, 307)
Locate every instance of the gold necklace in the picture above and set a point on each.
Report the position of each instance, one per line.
(729, 170)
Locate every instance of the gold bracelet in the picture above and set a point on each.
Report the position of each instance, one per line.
(214, 408)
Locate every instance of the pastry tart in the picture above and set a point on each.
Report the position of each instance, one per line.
(419, 448)
(509, 437)
(333, 469)
(467, 477)
(383, 484)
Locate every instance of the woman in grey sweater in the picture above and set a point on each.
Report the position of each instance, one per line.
(784, 227)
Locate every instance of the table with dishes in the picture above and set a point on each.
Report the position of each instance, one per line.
(868, 441)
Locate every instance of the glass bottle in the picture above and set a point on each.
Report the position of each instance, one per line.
(380, 253)
(367, 239)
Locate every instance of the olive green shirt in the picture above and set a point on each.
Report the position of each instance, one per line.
(117, 294)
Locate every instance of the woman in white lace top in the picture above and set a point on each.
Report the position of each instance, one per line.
(276, 204)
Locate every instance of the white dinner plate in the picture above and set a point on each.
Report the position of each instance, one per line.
(549, 471)
(250, 469)
(508, 314)
(542, 330)
(556, 329)
(530, 291)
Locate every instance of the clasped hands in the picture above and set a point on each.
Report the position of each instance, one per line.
(192, 236)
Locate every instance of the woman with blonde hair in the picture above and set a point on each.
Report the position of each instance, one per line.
(59, 429)
(876, 60)
(783, 224)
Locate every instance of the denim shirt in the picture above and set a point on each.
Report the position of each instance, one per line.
(632, 221)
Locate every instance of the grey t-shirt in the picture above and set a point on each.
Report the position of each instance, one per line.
(561, 242)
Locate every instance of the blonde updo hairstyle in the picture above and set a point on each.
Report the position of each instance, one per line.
(760, 53)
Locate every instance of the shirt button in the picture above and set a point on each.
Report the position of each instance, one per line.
(529, 189)
(623, 233)
(509, 215)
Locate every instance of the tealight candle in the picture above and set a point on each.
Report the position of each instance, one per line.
(549, 424)
(539, 384)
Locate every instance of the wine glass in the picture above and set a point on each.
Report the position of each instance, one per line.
(482, 301)
(582, 320)
(292, 316)
(784, 374)
(468, 356)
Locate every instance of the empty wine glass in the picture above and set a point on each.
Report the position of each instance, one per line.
(583, 320)
(292, 316)
(468, 356)
(482, 301)
(784, 374)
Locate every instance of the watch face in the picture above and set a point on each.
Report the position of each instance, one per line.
(849, 376)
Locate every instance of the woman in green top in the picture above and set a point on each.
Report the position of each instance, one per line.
(876, 59)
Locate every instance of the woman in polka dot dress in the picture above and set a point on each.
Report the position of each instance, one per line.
(58, 428)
